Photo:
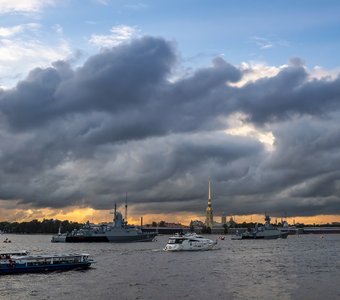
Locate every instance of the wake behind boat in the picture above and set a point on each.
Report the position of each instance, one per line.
(21, 262)
(117, 232)
(268, 231)
(189, 242)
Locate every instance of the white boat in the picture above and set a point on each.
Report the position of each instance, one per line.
(189, 242)
(60, 237)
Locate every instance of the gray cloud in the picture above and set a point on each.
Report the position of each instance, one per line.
(84, 136)
(286, 95)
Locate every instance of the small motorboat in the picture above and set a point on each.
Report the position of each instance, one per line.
(60, 237)
(22, 262)
(189, 242)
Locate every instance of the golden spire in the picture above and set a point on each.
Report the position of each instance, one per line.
(209, 194)
(209, 221)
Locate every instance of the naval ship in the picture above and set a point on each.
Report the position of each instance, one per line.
(268, 231)
(117, 232)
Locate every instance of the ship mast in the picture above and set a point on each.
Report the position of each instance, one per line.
(115, 213)
(126, 221)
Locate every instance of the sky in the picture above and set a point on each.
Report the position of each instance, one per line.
(99, 98)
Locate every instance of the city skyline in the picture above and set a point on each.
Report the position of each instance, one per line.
(99, 98)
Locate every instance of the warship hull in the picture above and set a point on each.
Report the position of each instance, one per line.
(147, 237)
(269, 237)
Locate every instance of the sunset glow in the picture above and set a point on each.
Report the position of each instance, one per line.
(83, 215)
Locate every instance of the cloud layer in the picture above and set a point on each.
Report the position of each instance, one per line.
(121, 122)
(23, 6)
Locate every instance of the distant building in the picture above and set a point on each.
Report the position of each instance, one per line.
(209, 219)
(175, 225)
(224, 219)
(197, 223)
(166, 228)
(196, 226)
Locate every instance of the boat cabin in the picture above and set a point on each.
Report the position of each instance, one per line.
(176, 240)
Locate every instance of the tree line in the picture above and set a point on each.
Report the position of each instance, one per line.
(35, 226)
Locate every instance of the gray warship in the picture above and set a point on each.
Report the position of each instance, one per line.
(117, 232)
(268, 231)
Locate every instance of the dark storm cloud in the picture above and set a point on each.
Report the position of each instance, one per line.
(301, 175)
(124, 121)
(286, 95)
(112, 81)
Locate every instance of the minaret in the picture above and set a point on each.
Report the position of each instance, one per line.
(209, 220)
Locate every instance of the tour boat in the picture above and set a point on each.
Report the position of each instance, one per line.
(22, 262)
(16, 253)
(189, 242)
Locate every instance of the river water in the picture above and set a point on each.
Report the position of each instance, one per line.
(300, 267)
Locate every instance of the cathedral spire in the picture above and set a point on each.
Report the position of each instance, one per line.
(209, 221)
(209, 193)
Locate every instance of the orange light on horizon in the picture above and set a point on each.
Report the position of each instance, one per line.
(256, 218)
(83, 214)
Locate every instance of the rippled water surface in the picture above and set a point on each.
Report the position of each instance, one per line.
(300, 267)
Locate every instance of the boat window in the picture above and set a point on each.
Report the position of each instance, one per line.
(175, 241)
(179, 241)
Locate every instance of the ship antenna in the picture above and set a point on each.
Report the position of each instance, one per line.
(126, 221)
(115, 212)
